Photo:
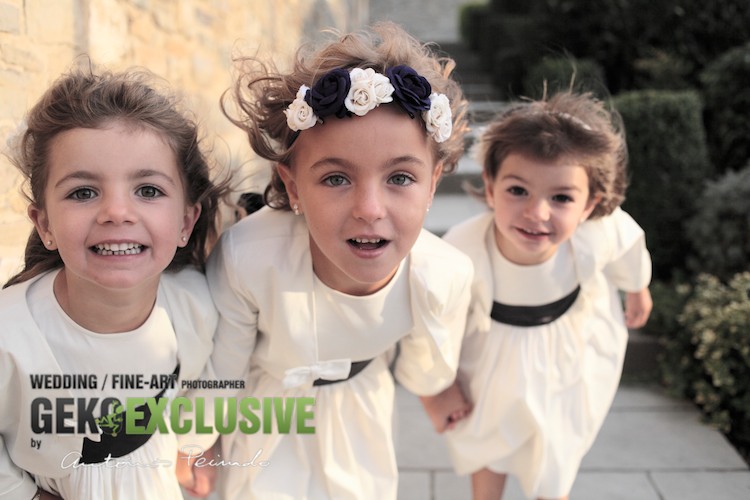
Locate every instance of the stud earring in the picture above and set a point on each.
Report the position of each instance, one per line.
(49, 242)
(184, 239)
(295, 209)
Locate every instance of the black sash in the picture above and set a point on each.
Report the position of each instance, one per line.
(357, 366)
(115, 442)
(533, 315)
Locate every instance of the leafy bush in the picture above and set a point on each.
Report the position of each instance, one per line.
(709, 361)
(660, 69)
(727, 107)
(559, 72)
(621, 35)
(470, 16)
(720, 230)
(668, 167)
(669, 300)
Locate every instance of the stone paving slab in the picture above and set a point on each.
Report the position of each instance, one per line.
(651, 447)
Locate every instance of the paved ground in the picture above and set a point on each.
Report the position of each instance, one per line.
(651, 447)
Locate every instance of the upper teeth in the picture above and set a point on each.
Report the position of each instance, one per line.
(117, 246)
(365, 240)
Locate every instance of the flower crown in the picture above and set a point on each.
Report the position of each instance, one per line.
(342, 92)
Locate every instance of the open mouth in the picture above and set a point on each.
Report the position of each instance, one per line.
(118, 248)
(533, 233)
(367, 244)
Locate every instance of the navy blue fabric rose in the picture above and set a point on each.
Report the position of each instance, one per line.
(412, 91)
(326, 98)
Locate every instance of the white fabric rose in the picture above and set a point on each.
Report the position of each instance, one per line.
(299, 114)
(362, 97)
(438, 118)
(383, 88)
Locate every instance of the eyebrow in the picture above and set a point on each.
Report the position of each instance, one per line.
(85, 175)
(555, 188)
(346, 164)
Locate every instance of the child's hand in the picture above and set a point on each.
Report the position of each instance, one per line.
(197, 481)
(638, 307)
(446, 408)
(46, 495)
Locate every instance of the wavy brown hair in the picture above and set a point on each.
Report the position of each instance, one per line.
(261, 93)
(565, 126)
(85, 98)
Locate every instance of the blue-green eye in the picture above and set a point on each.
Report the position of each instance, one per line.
(401, 179)
(335, 180)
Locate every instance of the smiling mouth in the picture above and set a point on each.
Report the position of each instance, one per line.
(367, 244)
(533, 233)
(118, 248)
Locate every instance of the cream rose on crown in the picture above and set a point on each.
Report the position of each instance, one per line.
(368, 91)
(299, 114)
(438, 119)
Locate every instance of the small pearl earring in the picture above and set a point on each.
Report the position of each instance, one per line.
(49, 242)
(295, 208)
(184, 239)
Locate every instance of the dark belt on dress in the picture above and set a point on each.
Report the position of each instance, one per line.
(115, 442)
(527, 316)
(357, 366)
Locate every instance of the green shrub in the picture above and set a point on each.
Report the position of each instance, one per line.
(470, 15)
(709, 361)
(614, 33)
(669, 300)
(720, 230)
(727, 107)
(662, 70)
(701, 31)
(559, 72)
(668, 167)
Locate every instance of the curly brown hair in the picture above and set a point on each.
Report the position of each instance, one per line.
(566, 125)
(261, 92)
(85, 98)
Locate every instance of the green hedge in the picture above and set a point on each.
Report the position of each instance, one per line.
(708, 361)
(726, 88)
(668, 167)
(720, 230)
(470, 16)
(586, 75)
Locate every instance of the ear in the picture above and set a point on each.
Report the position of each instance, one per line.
(437, 173)
(192, 212)
(41, 223)
(590, 206)
(287, 176)
(489, 190)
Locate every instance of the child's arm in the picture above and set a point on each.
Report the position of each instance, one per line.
(638, 307)
(446, 408)
(197, 480)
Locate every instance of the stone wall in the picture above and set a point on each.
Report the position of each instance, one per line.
(188, 42)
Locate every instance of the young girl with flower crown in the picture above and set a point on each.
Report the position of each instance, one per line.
(546, 336)
(112, 290)
(316, 289)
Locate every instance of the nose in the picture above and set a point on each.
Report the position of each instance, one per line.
(537, 209)
(369, 204)
(116, 209)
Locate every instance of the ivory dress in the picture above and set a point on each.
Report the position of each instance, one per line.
(281, 329)
(103, 461)
(541, 391)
